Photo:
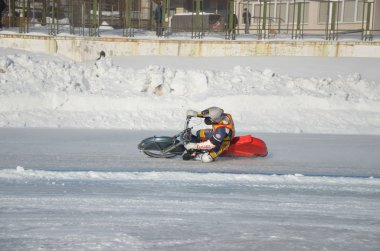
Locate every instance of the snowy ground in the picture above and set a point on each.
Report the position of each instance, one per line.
(284, 94)
(90, 188)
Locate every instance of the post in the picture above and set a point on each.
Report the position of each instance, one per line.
(333, 20)
(71, 17)
(167, 13)
(58, 3)
(279, 16)
(52, 25)
(196, 19)
(128, 30)
(94, 26)
(263, 30)
(367, 23)
(264, 17)
(23, 18)
(83, 18)
(299, 15)
(163, 17)
(231, 22)
(327, 20)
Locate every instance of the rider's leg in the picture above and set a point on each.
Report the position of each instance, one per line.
(214, 153)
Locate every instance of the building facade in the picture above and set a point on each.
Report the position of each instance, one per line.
(313, 16)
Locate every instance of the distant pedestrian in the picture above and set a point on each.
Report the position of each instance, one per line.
(158, 19)
(3, 6)
(246, 20)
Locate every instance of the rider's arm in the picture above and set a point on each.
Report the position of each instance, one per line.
(216, 140)
(192, 113)
(218, 136)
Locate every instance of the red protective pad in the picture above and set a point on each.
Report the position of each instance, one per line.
(246, 146)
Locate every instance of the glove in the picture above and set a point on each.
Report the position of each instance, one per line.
(191, 113)
(190, 146)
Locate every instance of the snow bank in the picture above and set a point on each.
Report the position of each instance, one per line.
(20, 173)
(40, 91)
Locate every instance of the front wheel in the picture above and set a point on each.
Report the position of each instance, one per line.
(159, 154)
(155, 147)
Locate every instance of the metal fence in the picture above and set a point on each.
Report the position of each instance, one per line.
(195, 19)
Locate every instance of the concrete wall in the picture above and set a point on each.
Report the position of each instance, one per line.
(86, 48)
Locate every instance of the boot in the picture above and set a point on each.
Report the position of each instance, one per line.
(188, 155)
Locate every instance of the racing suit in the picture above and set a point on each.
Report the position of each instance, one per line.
(215, 140)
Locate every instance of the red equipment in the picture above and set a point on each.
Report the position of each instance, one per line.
(246, 146)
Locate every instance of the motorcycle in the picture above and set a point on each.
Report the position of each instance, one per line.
(169, 147)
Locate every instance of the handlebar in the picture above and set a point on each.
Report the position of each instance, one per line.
(188, 118)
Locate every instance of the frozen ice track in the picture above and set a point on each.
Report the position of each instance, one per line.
(92, 189)
(116, 151)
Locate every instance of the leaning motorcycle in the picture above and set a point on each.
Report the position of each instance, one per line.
(168, 147)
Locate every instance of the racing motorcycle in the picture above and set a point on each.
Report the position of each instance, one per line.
(169, 147)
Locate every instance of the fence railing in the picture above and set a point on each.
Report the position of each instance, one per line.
(128, 18)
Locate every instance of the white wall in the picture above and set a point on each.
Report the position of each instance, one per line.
(86, 48)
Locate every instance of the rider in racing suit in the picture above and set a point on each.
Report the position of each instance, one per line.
(212, 142)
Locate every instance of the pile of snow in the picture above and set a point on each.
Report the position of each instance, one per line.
(42, 91)
(20, 173)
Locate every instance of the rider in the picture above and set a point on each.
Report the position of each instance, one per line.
(213, 141)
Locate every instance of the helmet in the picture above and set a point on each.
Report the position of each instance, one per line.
(214, 113)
